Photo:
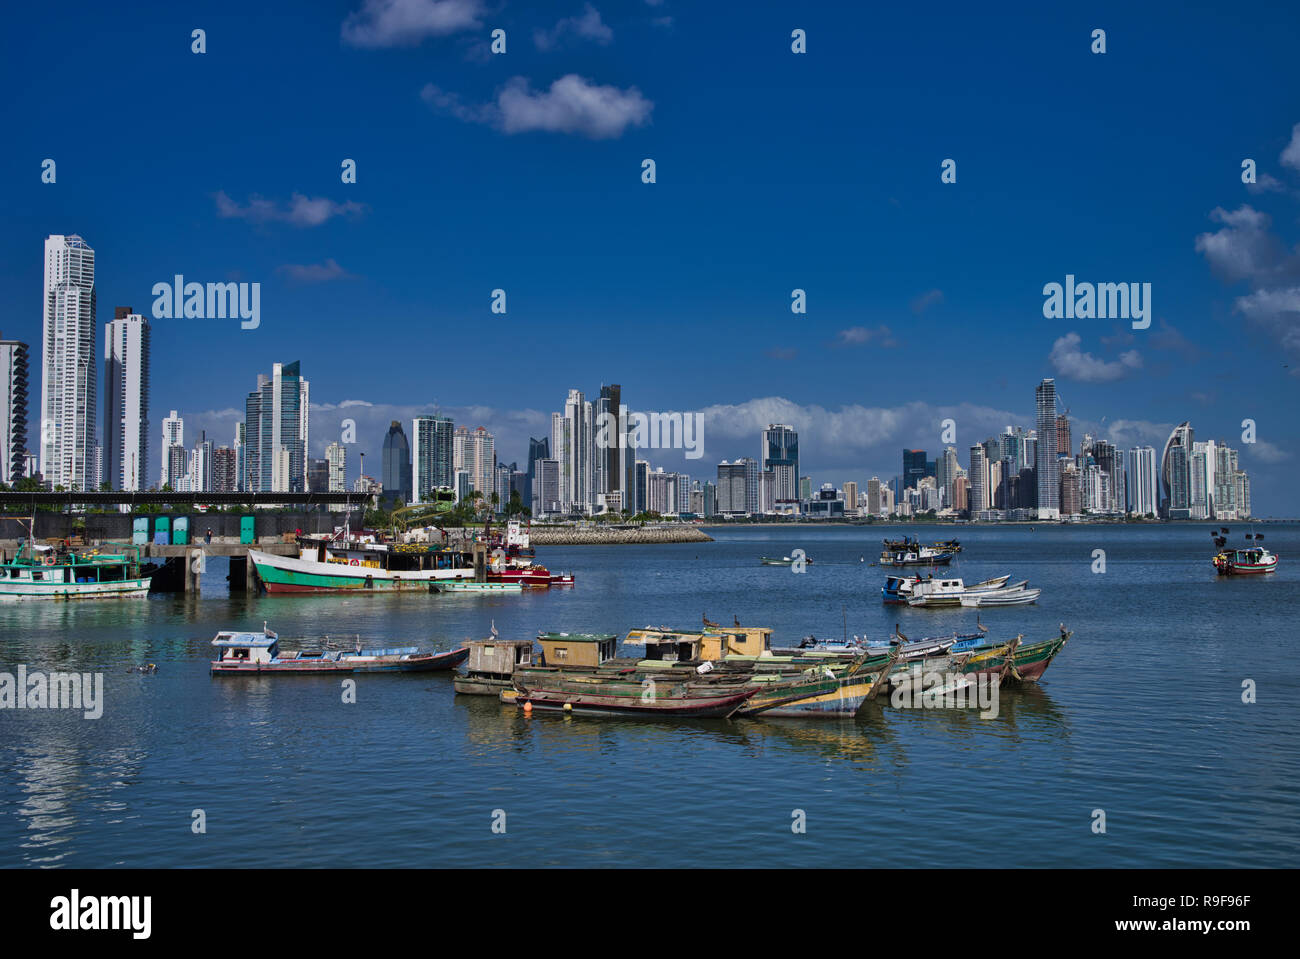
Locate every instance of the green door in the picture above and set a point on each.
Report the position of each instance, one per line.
(140, 531)
(181, 531)
(246, 527)
(162, 530)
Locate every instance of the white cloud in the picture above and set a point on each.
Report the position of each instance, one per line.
(405, 23)
(1277, 311)
(1069, 361)
(302, 211)
(572, 105)
(1244, 249)
(1291, 155)
(587, 26)
(926, 300)
(861, 335)
(313, 272)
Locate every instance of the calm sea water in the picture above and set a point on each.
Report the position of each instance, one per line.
(1140, 716)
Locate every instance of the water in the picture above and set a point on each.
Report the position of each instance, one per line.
(1140, 716)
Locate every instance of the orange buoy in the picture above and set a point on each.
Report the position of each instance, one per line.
(528, 707)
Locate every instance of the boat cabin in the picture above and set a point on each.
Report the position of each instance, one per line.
(737, 641)
(499, 657)
(667, 645)
(246, 647)
(682, 646)
(576, 649)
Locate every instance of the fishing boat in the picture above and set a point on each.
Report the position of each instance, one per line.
(1252, 560)
(898, 589)
(783, 561)
(470, 586)
(492, 664)
(641, 699)
(819, 692)
(917, 556)
(343, 563)
(241, 653)
(1001, 597)
(905, 544)
(44, 572)
(932, 592)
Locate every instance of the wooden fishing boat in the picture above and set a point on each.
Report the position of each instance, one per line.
(343, 564)
(243, 654)
(820, 692)
(492, 665)
(42, 572)
(633, 699)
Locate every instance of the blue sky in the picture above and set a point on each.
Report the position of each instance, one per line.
(775, 171)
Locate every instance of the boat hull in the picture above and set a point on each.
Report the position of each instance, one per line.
(17, 592)
(634, 705)
(290, 574)
(482, 685)
(428, 662)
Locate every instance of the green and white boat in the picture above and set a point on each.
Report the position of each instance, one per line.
(40, 572)
(344, 564)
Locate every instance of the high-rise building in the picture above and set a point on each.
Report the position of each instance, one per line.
(1063, 447)
(318, 474)
(1048, 467)
(433, 460)
(126, 400)
(276, 432)
(611, 451)
(914, 468)
(732, 497)
(979, 479)
(68, 381)
(780, 455)
(1175, 476)
(874, 499)
(1140, 489)
(178, 468)
(201, 465)
(173, 429)
(851, 498)
(13, 410)
(395, 470)
(1071, 491)
(805, 489)
(546, 486)
(336, 454)
(539, 448)
(474, 451)
(224, 470)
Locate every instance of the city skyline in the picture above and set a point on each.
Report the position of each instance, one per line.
(924, 298)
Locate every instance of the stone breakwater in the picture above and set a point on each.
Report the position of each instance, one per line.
(616, 535)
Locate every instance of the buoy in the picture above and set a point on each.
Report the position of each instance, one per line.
(568, 707)
(528, 707)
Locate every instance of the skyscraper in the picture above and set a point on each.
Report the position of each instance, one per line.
(475, 453)
(1048, 468)
(68, 364)
(13, 410)
(914, 468)
(780, 455)
(126, 400)
(223, 470)
(1140, 490)
(395, 471)
(433, 461)
(173, 429)
(539, 448)
(275, 432)
(979, 479)
(1175, 476)
(336, 454)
